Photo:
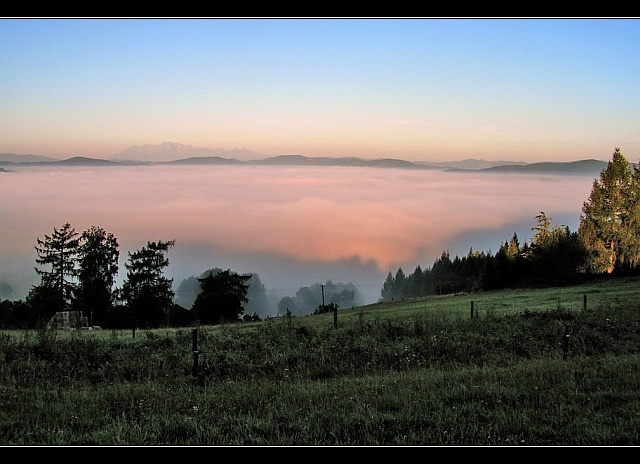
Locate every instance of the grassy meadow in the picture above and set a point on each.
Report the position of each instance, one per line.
(537, 367)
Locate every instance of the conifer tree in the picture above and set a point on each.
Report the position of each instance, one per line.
(610, 220)
(555, 252)
(387, 292)
(97, 269)
(222, 297)
(58, 251)
(146, 291)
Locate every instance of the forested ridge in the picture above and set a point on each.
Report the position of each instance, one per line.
(77, 270)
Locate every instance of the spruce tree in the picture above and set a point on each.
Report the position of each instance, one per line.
(222, 297)
(610, 220)
(97, 269)
(387, 292)
(58, 252)
(147, 293)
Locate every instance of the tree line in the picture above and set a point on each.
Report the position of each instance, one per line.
(607, 242)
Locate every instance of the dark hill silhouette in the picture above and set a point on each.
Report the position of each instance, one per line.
(589, 166)
(582, 167)
(85, 161)
(300, 160)
(204, 160)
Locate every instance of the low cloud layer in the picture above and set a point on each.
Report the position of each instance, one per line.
(293, 226)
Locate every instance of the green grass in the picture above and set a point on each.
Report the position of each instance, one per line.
(414, 372)
(599, 293)
(543, 402)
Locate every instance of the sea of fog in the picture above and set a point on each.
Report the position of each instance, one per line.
(293, 226)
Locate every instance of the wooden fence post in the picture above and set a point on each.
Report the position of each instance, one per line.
(584, 302)
(335, 316)
(566, 341)
(194, 348)
(471, 309)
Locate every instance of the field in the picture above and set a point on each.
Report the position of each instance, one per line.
(543, 367)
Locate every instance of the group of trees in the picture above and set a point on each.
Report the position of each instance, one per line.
(307, 300)
(555, 255)
(607, 241)
(78, 273)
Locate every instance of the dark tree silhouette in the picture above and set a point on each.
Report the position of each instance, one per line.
(222, 297)
(556, 253)
(97, 269)
(147, 293)
(387, 293)
(59, 251)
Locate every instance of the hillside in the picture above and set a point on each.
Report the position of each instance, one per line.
(432, 374)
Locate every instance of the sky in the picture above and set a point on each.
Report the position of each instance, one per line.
(419, 89)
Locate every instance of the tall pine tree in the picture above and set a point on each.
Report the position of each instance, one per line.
(610, 220)
(57, 253)
(97, 269)
(146, 291)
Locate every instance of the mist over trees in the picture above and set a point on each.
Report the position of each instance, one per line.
(262, 304)
(308, 299)
(187, 291)
(78, 271)
(606, 242)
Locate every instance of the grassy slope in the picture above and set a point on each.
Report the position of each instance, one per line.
(599, 293)
(413, 372)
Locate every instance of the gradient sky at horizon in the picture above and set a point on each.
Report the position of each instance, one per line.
(416, 89)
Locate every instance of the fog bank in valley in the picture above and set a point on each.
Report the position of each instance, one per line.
(293, 226)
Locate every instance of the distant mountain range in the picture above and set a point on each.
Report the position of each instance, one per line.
(178, 154)
(171, 151)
